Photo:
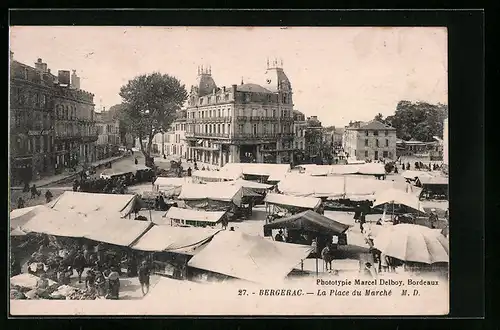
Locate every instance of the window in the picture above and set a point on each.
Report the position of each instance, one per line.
(274, 113)
(264, 128)
(386, 133)
(366, 142)
(376, 143)
(241, 128)
(275, 128)
(386, 143)
(366, 133)
(375, 133)
(228, 128)
(386, 154)
(254, 129)
(376, 155)
(366, 153)
(218, 113)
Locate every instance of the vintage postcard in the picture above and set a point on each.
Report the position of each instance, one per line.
(228, 171)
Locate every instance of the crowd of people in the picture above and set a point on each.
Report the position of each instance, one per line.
(59, 262)
(419, 166)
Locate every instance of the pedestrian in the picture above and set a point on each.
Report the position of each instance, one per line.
(79, 264)
(34, 191)
(90, 280)
(132, 266)
(357, 213)
(189, 171)
(144, 274)
(231, 229)
(48, 196)
(279, 236)
(224, 222)
(136, 161)
(20, 203)
(362, 221)
(326, 255)
(433, 219)
(396, 170)
(113, 280)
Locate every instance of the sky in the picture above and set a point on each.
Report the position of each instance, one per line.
(337, 73)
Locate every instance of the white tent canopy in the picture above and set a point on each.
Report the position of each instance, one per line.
(174, 239)
(396, 196)
(170, 186)
(99, 205)
(251, 258)
(335, 187)
(19, 217)
(218, 192)
(271, 170)
(215, 175)
(193, 215)
(302, 202)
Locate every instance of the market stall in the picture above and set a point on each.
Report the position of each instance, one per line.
(97, 205)
(433, 188)
(172, 247)
(278, 206)
(170, 187)
(303, 227)
(251, 258)
(178, 216)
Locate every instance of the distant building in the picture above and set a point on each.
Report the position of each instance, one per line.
(108, 130)
(299, 129)
(241, 123)
(314, 139)
(369, 141)
(52, 122)
(175, 142)
(31, 126)
(425, 151)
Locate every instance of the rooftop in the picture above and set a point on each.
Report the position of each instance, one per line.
(253, 88)
(372, 125)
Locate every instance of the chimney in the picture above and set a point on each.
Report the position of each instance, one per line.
(234, 89)
(224, 89)
(75, 80)
(63, 77)
(39, 64)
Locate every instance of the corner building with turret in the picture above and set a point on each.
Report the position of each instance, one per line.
(242, 123)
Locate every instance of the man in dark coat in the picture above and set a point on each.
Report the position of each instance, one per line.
(144, 274)
(20, 203)
(189, 171)
(79, 264)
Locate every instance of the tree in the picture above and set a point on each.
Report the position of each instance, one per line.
(379, 117)
(151, 102)
(418, 120)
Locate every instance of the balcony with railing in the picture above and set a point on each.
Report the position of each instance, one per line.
(262, 135)
(209, 119)
(207, 135)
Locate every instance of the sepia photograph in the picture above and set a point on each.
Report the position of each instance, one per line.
(161, 170)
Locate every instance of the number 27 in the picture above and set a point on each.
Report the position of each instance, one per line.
(242, 292)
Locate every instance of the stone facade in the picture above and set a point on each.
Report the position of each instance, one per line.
(31, 121)
(108, 135)
(370, 141)
(241, 123)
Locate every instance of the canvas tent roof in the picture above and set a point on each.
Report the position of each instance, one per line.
(19, 217)
(62, 223)
(194, 215)
(171, 186)
(336, 186)
(192, 191)
(302, 202)
(110, 206)
(120, 232)
(257, 169)
(250, 184)
(433, 180)
(251, 258)
(174, 239)
(310, 221)
(371, 168)
(396, 196)
(220, 175)
(414, 174)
